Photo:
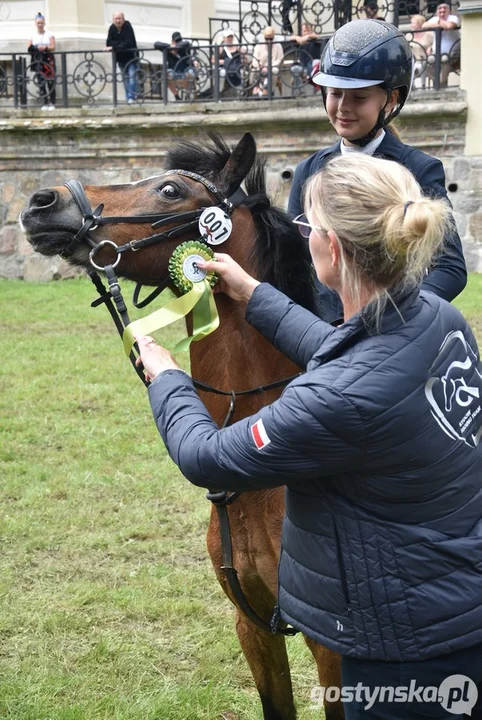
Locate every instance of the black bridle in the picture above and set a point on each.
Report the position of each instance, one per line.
(91, 220)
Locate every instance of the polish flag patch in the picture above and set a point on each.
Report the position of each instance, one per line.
(260, 436)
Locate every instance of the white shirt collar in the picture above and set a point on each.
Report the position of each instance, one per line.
(368, 149)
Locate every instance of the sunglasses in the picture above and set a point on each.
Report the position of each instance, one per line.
(304, 226)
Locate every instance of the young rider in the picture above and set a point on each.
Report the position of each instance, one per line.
(365, 77)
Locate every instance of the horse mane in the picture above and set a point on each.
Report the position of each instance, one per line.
(280, 254)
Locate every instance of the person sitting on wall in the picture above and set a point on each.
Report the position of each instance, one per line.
(178, 59)
(309, 42)
(421, 48)
(260, 65)
(229, 62)
(449, 42)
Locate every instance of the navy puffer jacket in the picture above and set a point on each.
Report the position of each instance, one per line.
(378, 444)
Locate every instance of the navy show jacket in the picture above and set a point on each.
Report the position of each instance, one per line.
(448, 277)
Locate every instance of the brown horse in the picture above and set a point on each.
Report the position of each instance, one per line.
(234, 357)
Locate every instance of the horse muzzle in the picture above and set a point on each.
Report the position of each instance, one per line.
(50, 220)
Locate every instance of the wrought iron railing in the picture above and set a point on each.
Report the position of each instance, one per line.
(250, 71)
(288, 16)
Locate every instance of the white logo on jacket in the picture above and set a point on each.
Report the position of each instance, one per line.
(455, 389)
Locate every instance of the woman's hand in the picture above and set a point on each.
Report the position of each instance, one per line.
(234, 281)
(155, 358)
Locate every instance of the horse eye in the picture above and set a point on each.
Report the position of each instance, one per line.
(170, 192)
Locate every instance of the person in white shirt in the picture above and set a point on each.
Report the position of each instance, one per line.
(449, 43)
(229, 63)
(41, 46)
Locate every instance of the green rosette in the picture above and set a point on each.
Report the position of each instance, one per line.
(182, 268)
(197, 297)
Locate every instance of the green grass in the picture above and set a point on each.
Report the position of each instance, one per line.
(109, 608)
(470, 304)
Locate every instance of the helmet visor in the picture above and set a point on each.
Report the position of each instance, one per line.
(344, 83)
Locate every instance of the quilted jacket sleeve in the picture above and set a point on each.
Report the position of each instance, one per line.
(296, 439)
(448, 277)
(296, 332)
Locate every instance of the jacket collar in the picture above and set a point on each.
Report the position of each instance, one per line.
(390, 146)
(328, 152)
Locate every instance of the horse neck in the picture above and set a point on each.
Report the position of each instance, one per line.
(236, 356)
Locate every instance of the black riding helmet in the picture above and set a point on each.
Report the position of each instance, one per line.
(363, 53)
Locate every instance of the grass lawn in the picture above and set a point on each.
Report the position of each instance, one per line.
(109, 608)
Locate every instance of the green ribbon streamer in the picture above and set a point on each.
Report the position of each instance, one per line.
(199, 299)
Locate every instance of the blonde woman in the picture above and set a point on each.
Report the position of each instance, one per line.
(378, 444)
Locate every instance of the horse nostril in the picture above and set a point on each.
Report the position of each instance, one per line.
(43, 199)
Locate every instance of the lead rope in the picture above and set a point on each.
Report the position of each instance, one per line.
(221, 501)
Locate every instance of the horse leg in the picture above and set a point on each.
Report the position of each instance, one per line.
(267, 657)
(255, 528)
(329, 674)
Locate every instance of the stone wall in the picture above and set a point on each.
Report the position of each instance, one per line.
(105, 146)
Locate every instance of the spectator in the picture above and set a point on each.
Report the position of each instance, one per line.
(179, 62)
(122, 40)
(378, 445)
(421, 47)
(361, 100)
(309, 42)
(449, 43)
(371, 10)
(41, 46)
(260, 64)
(230, 62)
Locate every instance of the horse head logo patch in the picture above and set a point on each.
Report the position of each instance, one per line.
(454, 390)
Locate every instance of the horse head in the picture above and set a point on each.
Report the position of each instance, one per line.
(72, 220)
(106, 223)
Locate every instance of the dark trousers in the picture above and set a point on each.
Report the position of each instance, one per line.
(285, 8)
(457, 693)
(47, 90)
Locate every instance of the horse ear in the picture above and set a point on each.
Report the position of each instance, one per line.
(239, 163)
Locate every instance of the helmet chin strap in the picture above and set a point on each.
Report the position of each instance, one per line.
(381, 122)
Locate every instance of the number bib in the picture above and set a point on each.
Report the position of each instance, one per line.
(215, 226)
